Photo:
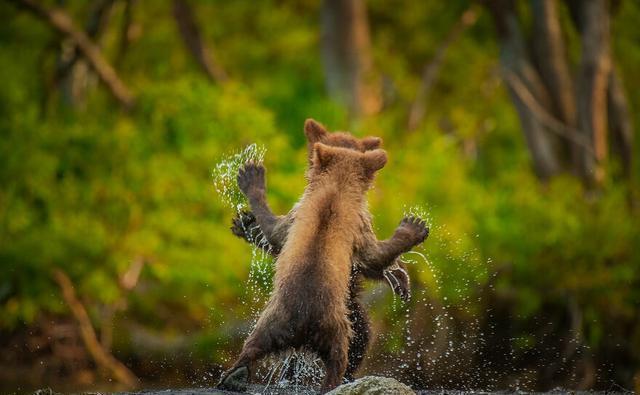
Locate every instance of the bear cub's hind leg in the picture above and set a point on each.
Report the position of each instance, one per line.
(359, 342)
(334, 354)
(335, 365)
(257, 346)
(235, 380)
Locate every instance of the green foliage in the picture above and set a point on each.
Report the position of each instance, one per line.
(92, 189)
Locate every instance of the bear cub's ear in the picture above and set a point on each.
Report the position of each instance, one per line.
(322, 155)
(314, 131)
(371, 143)
(375, 160)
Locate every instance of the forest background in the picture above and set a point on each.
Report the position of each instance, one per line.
(511, 123)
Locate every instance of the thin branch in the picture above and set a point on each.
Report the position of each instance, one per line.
(94, 27)
(62, 22)
(72, 73)
(543, 116)
(130, 278)
(192, 38)
(431, 69)
(119, 371)
(127, 282)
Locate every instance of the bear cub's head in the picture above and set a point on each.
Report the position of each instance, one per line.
(348, 167)
(316, 133)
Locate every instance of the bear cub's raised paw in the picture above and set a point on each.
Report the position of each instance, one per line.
(414, 228)
(251, 180)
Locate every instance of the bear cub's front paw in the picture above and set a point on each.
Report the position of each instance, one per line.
(398, 277)
(244, 224)
(251, 179)
(414, 228)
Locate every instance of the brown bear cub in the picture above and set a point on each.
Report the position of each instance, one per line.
(308, 305)
(371, 259)
(268, 231)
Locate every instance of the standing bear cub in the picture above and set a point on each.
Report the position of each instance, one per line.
(308, 306)
(371, 258)
(269, 231)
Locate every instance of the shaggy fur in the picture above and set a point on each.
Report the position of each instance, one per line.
(308, 306)
(268, 231)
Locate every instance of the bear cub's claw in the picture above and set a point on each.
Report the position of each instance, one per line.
(399, 280)
(235, 380)
(415, 227)
(251, 179)
(243, 224)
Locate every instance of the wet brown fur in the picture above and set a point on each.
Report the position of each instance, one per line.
(366, 260)
(309, 304)
(275, 233)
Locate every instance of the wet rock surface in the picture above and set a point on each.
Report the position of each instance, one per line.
(373, 385)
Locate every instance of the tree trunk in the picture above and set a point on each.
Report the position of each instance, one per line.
(515, 62)
(551, 60)
(346, 52)
(593, 80)
(620, 124)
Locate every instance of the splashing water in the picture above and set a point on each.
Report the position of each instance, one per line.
(224, 176)
(419, 211)
(451, 322)
(225, 172)
(415, 353)
(430, 331)
(292, 368)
